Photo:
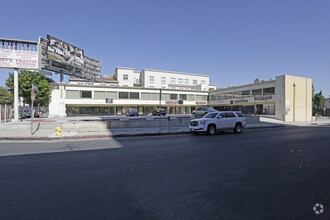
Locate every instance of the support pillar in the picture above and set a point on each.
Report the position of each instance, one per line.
(16, 95)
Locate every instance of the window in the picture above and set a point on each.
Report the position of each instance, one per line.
(174, 96)
(191, 97)
(239, 114)
(173, 80)
(256, 92)
(211, 115)
(145, 96)
(186, 81)
(183, 96)
(72, 94)
(154, 96)
(213, 97)
(123, 95)
(112, 95)
(269, 91)
(99, 95)
(134, 95)
(195, 82)
(203, 82)
(165, 96)
(125, 77)
(230, 115)
(86, 94)
(246, 93)
(163, 79)
(180, 81)
(151, 78)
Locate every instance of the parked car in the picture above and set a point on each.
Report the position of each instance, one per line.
(132, 112)
(219, 121)
(159, 112)
(25, 112)
(201, 111)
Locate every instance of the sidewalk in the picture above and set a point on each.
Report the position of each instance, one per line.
(98, 127)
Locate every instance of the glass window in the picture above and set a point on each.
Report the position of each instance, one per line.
(86, 94)
(112, 95)
(269, 91)
(190, 97)
(134, 95)
(203, 82)
(257, 92)
(173, 80)
(183, 96)
(151, 78)
(195, 82)
(163, 79)
(174, 96)
(199, 98)
(99, 95)
(211, 115)
(245, 93)
(154, 96)
(186, 81)
(230, 115)
(165, 96)
(72, 94)
(123, 95)
(239, 114)
(145, 96)
(180, 81)
(213, 97)
(125, 77)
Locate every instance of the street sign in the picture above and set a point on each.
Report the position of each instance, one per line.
(109, 100)
(180, 102)
(33, 95)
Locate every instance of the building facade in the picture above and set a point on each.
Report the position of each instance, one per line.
(288, 98)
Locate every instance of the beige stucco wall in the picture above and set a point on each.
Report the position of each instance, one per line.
(298, 98)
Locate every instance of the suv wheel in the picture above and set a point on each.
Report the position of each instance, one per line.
(211, 130)
(238, 128)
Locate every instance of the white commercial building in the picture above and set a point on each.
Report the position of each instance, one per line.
(288, 98)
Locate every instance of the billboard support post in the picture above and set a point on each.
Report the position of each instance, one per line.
(16, 95)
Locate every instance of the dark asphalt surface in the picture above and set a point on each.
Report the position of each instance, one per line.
(261, 174)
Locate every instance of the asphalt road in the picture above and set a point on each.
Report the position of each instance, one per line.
(260, 174)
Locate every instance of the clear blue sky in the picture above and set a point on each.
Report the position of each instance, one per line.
(232, 41)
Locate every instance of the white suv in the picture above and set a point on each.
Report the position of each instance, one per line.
(223, 120)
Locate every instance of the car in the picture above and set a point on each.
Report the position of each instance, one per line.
(201, 111)
(158, 112)
(219, 121)
(132, 112)
(25, 112)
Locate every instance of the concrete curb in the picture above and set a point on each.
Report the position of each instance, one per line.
(91, 137)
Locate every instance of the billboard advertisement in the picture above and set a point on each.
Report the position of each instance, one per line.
(16, 54)
(62, 57)
(63, 52)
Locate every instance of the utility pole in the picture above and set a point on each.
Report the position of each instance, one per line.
(16, 95)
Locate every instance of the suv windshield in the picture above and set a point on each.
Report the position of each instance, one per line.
(211, 115)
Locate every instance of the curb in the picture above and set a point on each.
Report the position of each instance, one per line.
(91, 137)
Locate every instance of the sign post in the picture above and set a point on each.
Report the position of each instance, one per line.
(33, 97)
(109, 101)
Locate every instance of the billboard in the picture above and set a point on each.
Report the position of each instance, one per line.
(62, 57)
(63, 52)
(19, 54)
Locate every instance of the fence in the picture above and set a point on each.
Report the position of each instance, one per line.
(6, 113)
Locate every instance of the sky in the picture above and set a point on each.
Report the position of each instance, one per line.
(234, 41)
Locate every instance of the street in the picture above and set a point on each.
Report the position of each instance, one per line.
(275, 173)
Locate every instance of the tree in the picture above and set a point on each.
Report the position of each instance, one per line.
(256, 81)
(25, 81)
(318, 101)
(5, 96)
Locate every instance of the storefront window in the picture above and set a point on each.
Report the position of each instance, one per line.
(257, 92)
(99, 95)
(183, 96)
(72, 94)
